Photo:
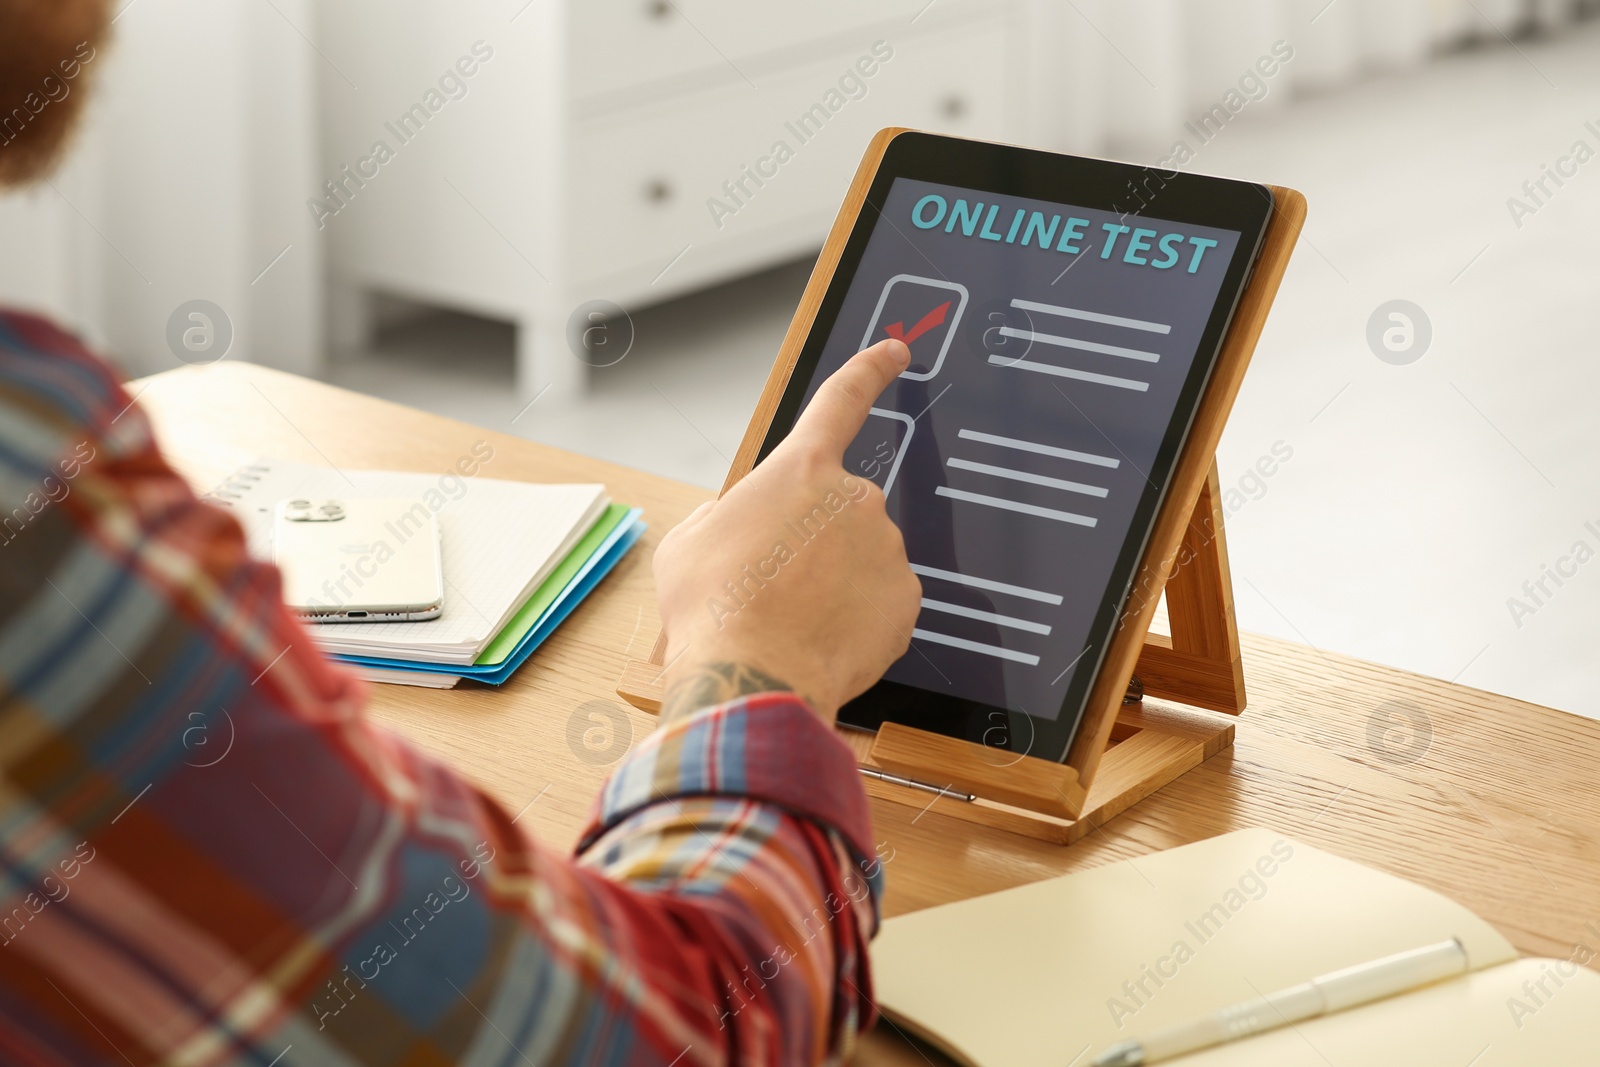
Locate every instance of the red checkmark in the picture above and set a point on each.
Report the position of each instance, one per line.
(898, 331)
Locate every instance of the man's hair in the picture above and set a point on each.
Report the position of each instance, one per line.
(45, 49)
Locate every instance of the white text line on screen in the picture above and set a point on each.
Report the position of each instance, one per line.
(1038, 449)
(1027, 476)
(985, 616)
(1015, 505)
(1068, 372)
(976, 646)
(987, 583)
(1091, 316)
(1082, 346)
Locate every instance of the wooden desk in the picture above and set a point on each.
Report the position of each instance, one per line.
(1495, 802)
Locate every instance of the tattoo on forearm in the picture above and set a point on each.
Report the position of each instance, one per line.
(714, 683)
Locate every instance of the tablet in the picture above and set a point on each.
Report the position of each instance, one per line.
(1063, 315)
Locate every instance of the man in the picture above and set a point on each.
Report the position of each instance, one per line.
(326, 894)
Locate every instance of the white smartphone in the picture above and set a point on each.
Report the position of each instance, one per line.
(359, 560)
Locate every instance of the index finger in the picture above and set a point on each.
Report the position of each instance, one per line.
(839, 408)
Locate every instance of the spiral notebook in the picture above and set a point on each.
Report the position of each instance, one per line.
(499, 541)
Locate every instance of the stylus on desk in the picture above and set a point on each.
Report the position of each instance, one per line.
(912, 783)
(1330, 993)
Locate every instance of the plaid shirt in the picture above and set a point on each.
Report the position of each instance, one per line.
(319, 892)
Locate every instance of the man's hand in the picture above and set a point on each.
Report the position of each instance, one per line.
(795, 579)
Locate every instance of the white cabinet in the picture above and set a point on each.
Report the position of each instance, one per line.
(632, 150)
(739, 178)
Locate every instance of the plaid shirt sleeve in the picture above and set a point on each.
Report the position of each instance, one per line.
(208, 855)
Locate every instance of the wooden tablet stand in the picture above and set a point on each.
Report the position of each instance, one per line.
(1124, 750)
(1148, 746)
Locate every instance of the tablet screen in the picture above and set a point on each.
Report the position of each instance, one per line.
(1050, 348)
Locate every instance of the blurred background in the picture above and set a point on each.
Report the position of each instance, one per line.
(589, 224)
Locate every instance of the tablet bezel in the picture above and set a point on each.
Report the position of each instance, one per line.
(988, 167)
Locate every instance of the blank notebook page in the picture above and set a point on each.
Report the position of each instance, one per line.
(1040, 973)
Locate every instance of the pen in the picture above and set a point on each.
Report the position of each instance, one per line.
(943, 791)
(1333, 992)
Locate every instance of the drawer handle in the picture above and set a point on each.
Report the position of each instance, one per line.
(659, 9)
(953, 106)
(657, 191)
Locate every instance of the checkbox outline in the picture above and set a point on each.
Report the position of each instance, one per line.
(950, 333)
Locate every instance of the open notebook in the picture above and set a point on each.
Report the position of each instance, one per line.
(1051, 974)
(499, 540)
